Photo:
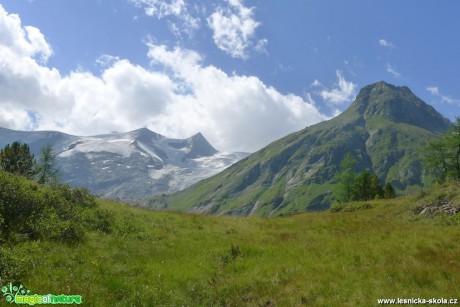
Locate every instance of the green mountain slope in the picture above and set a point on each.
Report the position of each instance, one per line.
(384, 129)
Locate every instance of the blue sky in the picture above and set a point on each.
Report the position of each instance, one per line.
(242, 72)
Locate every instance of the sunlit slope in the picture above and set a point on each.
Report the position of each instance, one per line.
(384, 129)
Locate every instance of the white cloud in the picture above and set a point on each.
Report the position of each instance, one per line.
(234, 30)
(315, 83)
(392, 70)
(386, 43)
(26, 41)
(232, 109)
(178, 97)
(434, 90)
(161, 8)
(345, 91)
(106, 60)
(186, 23)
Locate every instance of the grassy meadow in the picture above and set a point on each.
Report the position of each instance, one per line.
(377, 249)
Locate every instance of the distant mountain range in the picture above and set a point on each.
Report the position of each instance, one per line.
(384, 129)
(131, 165)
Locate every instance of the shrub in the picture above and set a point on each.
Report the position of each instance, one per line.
(336, 207)
(12, 266)
(32, 211)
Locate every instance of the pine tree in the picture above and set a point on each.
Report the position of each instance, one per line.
(17, 159)
(362, 186)
(375, 187)
(389, 191)
(47, 171)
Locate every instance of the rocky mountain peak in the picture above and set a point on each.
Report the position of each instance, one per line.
(384, 101)
(200, 147)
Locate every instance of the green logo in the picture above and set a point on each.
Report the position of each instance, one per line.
(10, 292)
(21, 295)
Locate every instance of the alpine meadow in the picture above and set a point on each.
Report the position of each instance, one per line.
(229, 153)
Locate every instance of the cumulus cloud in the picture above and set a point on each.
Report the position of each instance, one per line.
(434, 90)
(26, 41)
(386, 43)
(234, 30)
(344, 92)
(392, 70)
(177, 96)
(229, 109)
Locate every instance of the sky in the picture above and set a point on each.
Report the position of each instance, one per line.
(242, 72)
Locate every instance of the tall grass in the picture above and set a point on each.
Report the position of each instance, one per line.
(346, 258)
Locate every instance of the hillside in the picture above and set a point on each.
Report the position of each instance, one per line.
(352, 257)
(383, 129)
(127, 165)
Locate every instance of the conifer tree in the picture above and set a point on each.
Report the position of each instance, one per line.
(47, 171)
(17, 159)
(389, 191)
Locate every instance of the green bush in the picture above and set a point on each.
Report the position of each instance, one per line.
(12, 266)
(98, 220)
(58, 212)
(336, 207)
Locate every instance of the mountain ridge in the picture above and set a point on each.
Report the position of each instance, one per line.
(127, 165)
(296, 173)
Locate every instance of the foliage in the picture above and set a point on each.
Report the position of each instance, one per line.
(17, 159)
(32, 211)
(12, 265)
(364, 186)
(47, 171)
(389, 191)
(442, 155)
(346, 179)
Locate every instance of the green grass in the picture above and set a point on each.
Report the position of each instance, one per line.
(345, 258)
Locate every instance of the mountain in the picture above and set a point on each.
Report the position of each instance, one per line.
(384, 129)
(131, 165)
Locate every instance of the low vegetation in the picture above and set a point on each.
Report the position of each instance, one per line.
(123, 256)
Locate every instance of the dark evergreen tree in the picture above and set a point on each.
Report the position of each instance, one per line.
(389, 191)
(362, 186)
(17, 159)
(375, 187)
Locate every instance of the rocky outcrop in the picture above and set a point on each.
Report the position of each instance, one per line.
(442, 205)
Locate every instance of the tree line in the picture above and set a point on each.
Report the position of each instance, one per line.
(363, 186)
(17, 159)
